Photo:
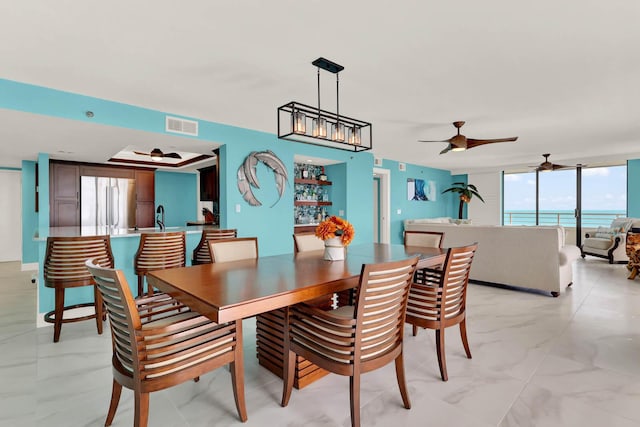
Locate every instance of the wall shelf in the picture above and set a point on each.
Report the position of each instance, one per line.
(310, 203)
(311, 181)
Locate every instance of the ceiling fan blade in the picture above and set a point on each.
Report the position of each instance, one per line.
(447, 149)
(141, 153)
(555, 166)
(476, 142)
(424, 140)
(173, 155)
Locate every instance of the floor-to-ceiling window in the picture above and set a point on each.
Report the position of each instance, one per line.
(598, 194)
(519, 198)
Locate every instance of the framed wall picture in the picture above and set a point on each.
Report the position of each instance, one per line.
(421, 190)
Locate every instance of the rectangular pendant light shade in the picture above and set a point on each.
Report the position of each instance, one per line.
(354, 136)
(299, 122)
(337, 132)
(319, 127)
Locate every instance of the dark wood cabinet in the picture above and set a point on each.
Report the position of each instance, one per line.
(209, 184)
(64, 194)
(145, 198)
(64, 191)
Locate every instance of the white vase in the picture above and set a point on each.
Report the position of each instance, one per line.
(334, 250)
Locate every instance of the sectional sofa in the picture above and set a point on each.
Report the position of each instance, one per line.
(520, 256)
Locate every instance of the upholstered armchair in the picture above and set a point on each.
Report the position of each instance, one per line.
(609, 242)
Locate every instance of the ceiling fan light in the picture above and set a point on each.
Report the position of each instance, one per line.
(156, 158)
(459, 149)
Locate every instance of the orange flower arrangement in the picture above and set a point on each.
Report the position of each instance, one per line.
(335, 227)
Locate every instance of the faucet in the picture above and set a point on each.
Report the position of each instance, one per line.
(160, 221)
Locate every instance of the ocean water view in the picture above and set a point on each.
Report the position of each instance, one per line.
(566, 218)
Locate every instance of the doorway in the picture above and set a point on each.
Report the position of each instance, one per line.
(381, 205)
(11, 220)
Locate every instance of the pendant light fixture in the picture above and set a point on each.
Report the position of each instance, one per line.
(346, 133)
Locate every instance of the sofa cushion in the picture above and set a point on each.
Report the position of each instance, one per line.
(441, 220)
(460, 221)
(597, 243)
(606, 233)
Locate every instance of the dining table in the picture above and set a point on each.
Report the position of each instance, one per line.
(265, 286)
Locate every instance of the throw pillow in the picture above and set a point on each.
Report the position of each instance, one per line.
(605, 232)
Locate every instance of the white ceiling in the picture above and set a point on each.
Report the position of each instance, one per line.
(561, 75)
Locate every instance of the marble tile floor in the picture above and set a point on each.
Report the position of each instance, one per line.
(537, 361)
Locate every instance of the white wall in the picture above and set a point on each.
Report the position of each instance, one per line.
(10, 215)
(490, 188)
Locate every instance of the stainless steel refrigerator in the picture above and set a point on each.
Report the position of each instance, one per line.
(108, 202)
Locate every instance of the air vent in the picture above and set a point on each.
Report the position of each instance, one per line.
(377, 161)
(182, 126)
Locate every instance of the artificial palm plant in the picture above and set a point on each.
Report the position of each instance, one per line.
(466, 192)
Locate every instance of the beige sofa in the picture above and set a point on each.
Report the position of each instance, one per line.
(527, 257)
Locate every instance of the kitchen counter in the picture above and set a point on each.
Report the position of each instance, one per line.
(113, 232)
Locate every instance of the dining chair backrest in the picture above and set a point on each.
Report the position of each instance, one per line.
(202, 254)
(158, 251)
(304, 242)
(431, 239)
(448, 302)
(234, 249)
(64, 261)
(380, 308)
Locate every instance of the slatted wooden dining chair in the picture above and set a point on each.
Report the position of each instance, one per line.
(431, 239)
(353, 340)
(202, 254)
(64, 268)
(234, 249)
(438, 299)
(158, 251)
(303, 242)
(173, 346)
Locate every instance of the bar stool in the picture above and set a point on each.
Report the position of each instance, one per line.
(158, 251)
(64, 267)
(201, 254)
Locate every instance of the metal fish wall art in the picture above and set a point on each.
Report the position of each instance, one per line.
(247, 176)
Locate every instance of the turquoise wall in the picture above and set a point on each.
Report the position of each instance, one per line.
(338, 193)
(633, 188)
(29, 214)
(272, 222)
(177, 193)
(414, 208)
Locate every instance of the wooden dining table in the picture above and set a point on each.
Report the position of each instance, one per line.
(265, 286)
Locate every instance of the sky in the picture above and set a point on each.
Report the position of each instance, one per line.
(603, 188)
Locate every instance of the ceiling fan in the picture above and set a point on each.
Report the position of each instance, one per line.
(548, 166)
(157, 155)
(460, 142)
